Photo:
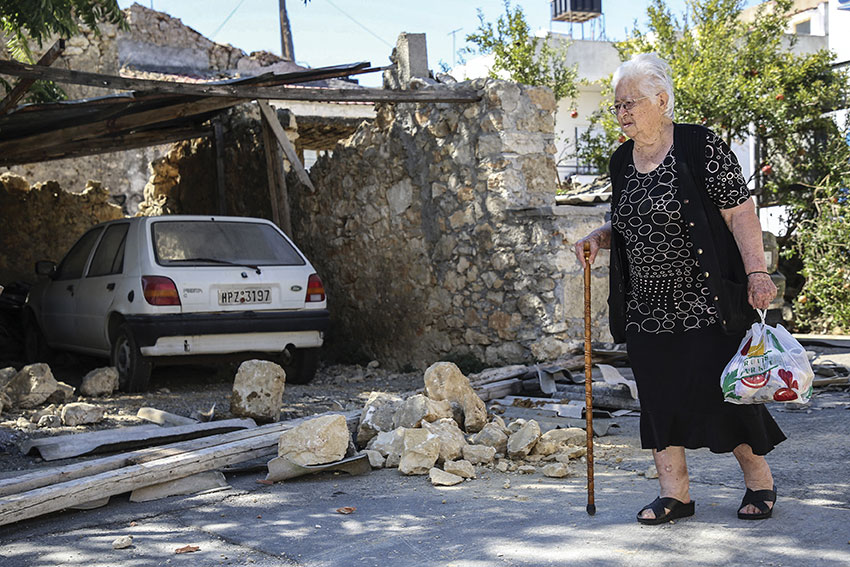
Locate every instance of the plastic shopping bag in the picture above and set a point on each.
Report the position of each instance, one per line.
(770, 366)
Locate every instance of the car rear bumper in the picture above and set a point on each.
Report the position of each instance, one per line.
(195, 333)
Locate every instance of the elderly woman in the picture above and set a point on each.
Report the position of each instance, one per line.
(687, 269)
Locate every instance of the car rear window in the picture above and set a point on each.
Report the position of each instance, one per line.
(200, 243)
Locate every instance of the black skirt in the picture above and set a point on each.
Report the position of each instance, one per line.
(678, 380)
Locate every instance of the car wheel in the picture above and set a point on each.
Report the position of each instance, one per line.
(134, 370)
(300, 365)
(36, 348)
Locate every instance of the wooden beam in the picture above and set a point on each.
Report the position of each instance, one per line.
(116, 125)
(285, 144)
(219, 166)
(235, 91)
(271, 153)
(105, 145)
(18, 92)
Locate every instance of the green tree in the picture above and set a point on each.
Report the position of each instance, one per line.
(25, 21)
(525, 58)
(736, 77)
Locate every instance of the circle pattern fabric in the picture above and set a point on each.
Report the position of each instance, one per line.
(666, 290)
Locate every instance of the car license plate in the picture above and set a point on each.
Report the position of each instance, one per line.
(244, 296)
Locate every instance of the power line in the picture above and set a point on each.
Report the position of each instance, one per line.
(218, 29)
(370, 32)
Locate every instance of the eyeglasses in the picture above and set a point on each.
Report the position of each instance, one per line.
(627, 105)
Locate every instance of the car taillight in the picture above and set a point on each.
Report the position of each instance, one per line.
(315, 289)
(160, 291)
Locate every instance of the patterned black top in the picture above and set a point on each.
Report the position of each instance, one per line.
(665, 290)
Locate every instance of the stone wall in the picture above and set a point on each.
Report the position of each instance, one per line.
(435, 231)
(42, 221)
(153, 43)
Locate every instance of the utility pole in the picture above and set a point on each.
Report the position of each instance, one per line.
(287, 50)
(454, 47)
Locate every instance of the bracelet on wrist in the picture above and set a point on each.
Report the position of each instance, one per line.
(758, 272)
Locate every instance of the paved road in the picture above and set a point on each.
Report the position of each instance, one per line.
(537, 521)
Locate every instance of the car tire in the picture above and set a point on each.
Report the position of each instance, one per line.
(301, 365)
(134, 370)
(36, 348)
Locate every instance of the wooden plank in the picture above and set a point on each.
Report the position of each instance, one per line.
(116, 125)
(57, 497)
(604, 395)
(219, 166)
(285, 144)
(160, 417)
(26, 154)
(236, 91)
(76, 445)
(498, 389)
(20, 89)
(55, 475)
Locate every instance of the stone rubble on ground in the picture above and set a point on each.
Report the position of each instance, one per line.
(421, 450)
(317, 441)
(99, 382)
(122, 542)
(523, 440)
(418, 408)
(443, 478)
(81, 413)
(258, 390)
(462, 468)
(32, 386)
(445, 381)
(377, 416)
(493, 436)
(450, 437)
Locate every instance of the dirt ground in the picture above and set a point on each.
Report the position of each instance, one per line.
(184, 390)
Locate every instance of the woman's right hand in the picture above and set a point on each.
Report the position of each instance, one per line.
(599, 238)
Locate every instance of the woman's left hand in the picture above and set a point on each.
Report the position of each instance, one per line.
(760, 290)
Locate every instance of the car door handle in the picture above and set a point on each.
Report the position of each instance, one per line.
(110, 286)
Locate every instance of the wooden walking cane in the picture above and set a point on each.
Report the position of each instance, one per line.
(588, 382)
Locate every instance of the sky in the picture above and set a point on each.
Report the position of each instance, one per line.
(334, 32)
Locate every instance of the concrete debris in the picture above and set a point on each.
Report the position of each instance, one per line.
(31, 386)
(443, 478)
(523, 441)
(421, 450)
(461, 468)
(493, 436)
(258, 390)
(122, 542)
(557, 440)
(377, 416)
(99, 382)
(416, 409)
(556, 470)
(445, 381)
(316, 441)
(450, 437)
(479, 454)
(81, 413)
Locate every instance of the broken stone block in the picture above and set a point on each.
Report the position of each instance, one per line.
(376, 459)
(420, 453)
(258, 390)
(377, 416)
(416, 409)
(5, 402)
(556, 470)
(49, 421)
(557, 440)
(122, 542)
(445, 381)
(81, 413)
(502, 466)
(462, 468)
(24, 423)
(492, 436)
(515, 425)
(450, 436)
(569, 453)
(522, 442)
(526, 469)
(315, 442)
(390, 444)
(479, 454)
(443, 478)
(64, 394)
(6, 374)
(500, 423)
(100, 382)
(31, 386)
(37, 415)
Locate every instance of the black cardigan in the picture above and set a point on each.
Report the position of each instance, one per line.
(717, 252)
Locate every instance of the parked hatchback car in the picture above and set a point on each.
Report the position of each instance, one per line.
(147, 289)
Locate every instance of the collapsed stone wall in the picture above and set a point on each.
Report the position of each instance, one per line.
(154, 42)
(435, 231)
(42, 221)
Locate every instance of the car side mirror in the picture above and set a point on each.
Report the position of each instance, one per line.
(45, 268)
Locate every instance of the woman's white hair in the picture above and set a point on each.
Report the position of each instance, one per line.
(652, 75)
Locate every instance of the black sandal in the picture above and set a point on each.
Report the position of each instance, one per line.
(759, 499)
(677, 510)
